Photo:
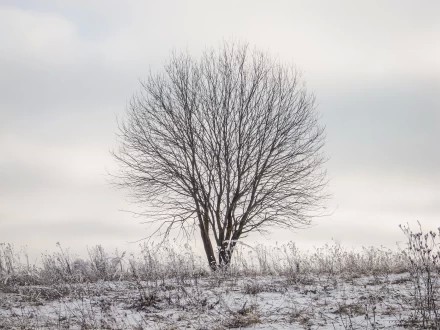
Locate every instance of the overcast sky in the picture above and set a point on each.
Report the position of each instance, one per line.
(68, 69)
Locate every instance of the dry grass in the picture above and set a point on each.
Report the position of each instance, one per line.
(329, 286)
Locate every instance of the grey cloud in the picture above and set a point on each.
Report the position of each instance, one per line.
(388, 124)
(373, 66)
(74, 228)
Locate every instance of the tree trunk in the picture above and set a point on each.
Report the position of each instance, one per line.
(207, 245)
(225, 254)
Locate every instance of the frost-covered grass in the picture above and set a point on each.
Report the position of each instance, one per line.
(166, 287)
(212, 302)
(157, 262)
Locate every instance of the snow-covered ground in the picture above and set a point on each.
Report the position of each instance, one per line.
(170, 287)
(213, 302)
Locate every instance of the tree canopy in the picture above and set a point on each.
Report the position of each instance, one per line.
(228, 143)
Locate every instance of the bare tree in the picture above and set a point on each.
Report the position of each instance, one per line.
(229, 143)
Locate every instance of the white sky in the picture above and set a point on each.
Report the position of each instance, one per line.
(68, 69)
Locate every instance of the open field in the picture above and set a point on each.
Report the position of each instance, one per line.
(214, 302)
(164, 287)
